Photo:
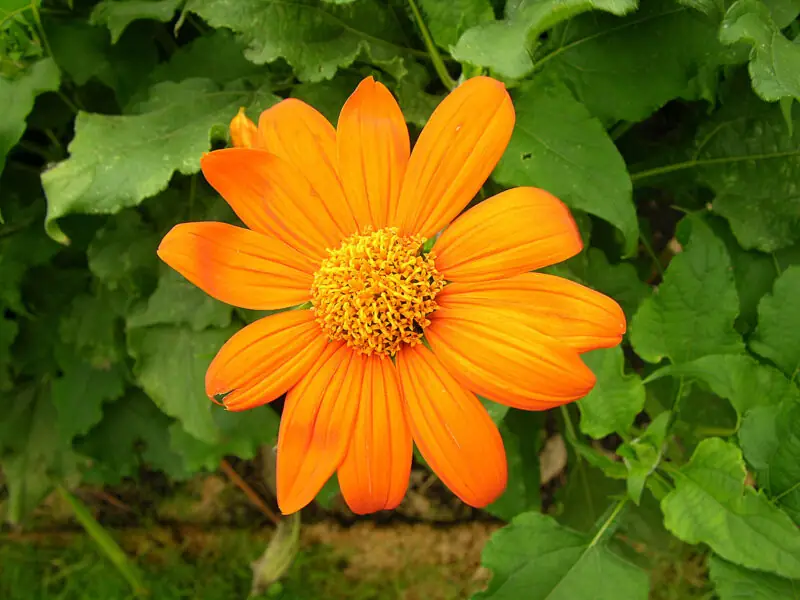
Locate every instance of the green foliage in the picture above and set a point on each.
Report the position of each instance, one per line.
(669, 127)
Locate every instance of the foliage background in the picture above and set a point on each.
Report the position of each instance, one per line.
(668, 126)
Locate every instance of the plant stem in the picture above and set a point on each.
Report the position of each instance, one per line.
(433, 51)
(251, 494)
(614, 514)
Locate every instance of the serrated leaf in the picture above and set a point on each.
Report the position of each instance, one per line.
(506, 46)
(710, 504)
(738, 378)
(17, 97)
(448, 20)
(240, 435)
(107, 172)
(733, 582)
(604, 59)
(558, 146)
(777, 319)
(314, 37)
(521, 433)
(177, 301)
(643, 454)
(90, 328)
(78, 396)
(536, 558)
(33, 455)
(770, 440)
(171, 365)
(774, 61)
(117, 14)
(746, 155)
(133, 432)
(616, 398)
(683, 321)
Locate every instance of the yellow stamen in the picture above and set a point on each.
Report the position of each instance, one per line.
(376, 291)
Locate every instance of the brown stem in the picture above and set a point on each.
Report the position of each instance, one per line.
(251, 494)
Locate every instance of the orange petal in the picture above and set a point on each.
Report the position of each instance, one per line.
(492, 352)
(243, 131)
(263, 360)
(452, 429)
(271, 197)
(317, 425)
(300, 135)
(374, 474)
(515, 231)
(238, 266)
(456, 151)
(562, 309)
(373, 152)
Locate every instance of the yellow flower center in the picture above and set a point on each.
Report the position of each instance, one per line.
(376, 291)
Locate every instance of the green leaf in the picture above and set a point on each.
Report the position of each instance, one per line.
(448, 20)
(33, 455)
(171, 364)
(777, 319)
(123, 256)
(133, 433)
(240, 435)
(17, 97)
(522, 437)
(770, 440)
(8, 331)
(216, 55)
(79, 394)
(536, 558)
(315, 38)
(558, 146)
(738, 378)
(744, 154)
(85, 53)
(605, 59)
(774, 61)
(643, 454)
(118, 14)
(506, 46)
(616, 398)
(106, 173)
(682, 321)
(733, 582)
(710, 504)
(177, 301)
(620, 281)
(328, 97)
(89, 327)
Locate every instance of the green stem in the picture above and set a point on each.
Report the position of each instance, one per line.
(652, 253)
(433, 51)
(105, 542)
(691, 164)
(38, 19)
(608, 522)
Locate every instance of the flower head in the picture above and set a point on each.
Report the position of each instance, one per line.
(398, 341)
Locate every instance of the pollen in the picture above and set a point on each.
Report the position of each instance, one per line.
(376, 291)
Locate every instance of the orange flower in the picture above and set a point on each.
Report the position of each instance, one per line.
(397, 342)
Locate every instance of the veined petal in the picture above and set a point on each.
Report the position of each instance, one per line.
(451, 428)
(492, 352)
(263, 360)
(562, 309)
(456, 151)
(515, 231)
(374, 474)
(373, 145)
(317, 425)
(270, 197)
(238, 266)
(243, 131)
(303, 137)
